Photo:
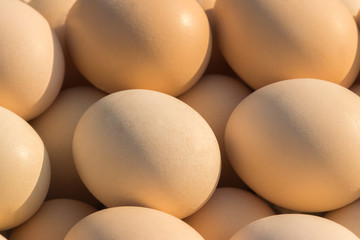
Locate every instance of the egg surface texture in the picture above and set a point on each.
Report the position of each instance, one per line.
(295, 142)
(294, 227)
(227, 211)
(132, 223)
(269, 41)
(146, 148)
(53, 220)
(24, 171)
(56, 126)
(130, 45)
(31, 60)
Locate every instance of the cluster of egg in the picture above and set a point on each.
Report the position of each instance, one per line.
(182, 119)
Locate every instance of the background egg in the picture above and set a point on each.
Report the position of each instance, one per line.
(146, 148)
(53, 220)
(269, 41)
(227, 211)
(56, 126)
(31, 60)
(294, 227)
(131, 223)
(129, 45)
(294, 143)
(25, 170)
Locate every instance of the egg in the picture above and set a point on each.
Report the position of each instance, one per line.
(55, 12)
(354, 7)
(129, 45)
(31, 60)
(131, 223)
(348, 216)
(217, 63)
(2, 237)
(215, 97)
(227, 211)
(294, 227)
(53, 220)
(56, 126)
(294, 143)
(146, 148)
(269, 41)
(25, 170)
(355, 88)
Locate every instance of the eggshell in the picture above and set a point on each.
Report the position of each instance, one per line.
(295, 143)
(146, 148)
(129, 45)
(132, 223)
(356, 88)
(348, 216)
(294, 227)
(53, 220)
(55, 12)
(31, 60)
(215, 97)
(269, 41)
(354, 7)
(56, 127)
(227, 211)
(24, 171)
(2, 237)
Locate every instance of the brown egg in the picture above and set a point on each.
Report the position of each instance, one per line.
(31, 60)
(294, 227)
(348, 216)
(269, 41)
(130, 45)
(227, 211)
(131, 223)
(215, 97)
(55, 12)
(354, 7)
(355, 88)
(24, 171)
(56, 127)
(53, 220)
(146, 148)
(294, 143)
(217, 63)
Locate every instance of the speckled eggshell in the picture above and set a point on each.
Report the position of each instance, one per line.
(55, 12)
(56, 127)
(348, 216)
(129, 45)
(132, 223)
(294, 227)
(31, 60)
(227, 211)
(53, 220)
(215, 97)
(295, 142)
(354, 7)
(24, 171)
(146, 148)
(269, 41)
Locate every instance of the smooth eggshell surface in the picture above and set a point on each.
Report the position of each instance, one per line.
(294, 143)
(56, 126)
(146, 148)
(129, 45)
(348, 216)
(31, 60)
(354, 8)
(24, 171)
(215, 97)
(294, 227)
(56, 12)
(226, 212)
(53, 220)
(132, 223)
(269, 41)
